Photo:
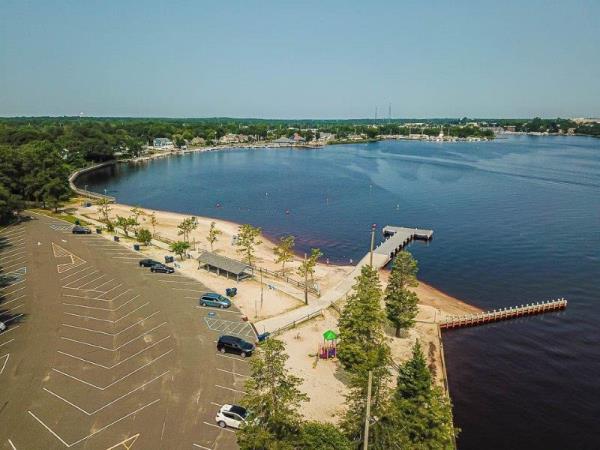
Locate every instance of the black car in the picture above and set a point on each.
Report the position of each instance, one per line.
(161, 268)
(78, 229)
(234, 344)
(148, 263)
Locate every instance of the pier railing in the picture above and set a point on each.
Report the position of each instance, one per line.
(503, 314)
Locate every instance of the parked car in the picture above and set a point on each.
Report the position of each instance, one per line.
(161, 268)
(215, 300)
(148, 263)
(78, 229)
(234, 344)
(2, 326)
(231, 416)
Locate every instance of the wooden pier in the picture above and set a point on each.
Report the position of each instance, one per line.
(503, 314)
(397, 238)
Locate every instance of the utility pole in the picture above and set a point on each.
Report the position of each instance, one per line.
(305, 280)
(261, 291)
(372, 243)
(368, 413)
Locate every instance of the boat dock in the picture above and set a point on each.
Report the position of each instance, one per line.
(396, 239)
(503, 314)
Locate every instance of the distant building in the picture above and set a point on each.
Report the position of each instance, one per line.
(284, 140)
(298, 138)
(231, 138)
(198, 141)
(510, 128)
(325, 137)
(162, 143)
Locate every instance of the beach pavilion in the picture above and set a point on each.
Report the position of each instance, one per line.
(222, 265)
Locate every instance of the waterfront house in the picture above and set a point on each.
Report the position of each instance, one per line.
(162, 142)
(284, 141)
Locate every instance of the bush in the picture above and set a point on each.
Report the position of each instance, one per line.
(144, 236)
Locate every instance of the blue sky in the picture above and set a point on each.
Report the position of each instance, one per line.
(301, 59)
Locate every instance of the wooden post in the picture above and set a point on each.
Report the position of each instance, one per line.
(305, 281)
(368, 413)
(372, 243)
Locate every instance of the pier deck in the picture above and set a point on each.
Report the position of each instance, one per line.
(397, 238)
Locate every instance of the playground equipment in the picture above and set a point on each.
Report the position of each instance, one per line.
(328, 349)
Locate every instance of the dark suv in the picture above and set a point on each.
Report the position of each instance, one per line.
(148, 263)
(78, 229)
(161, 268)
(234, 344)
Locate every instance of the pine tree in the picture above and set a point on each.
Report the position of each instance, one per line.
(272, 399)
(401, 303)
(284, 251)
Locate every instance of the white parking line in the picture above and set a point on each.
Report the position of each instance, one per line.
(13, 300)
(90, 282)
(100, 388)
(7, 342)
(108, 320)
(232, 357)
(190, 290)
(3, 232)
(91, 413)
(15, 264)
(106, 282)
(110, 334)
(217, 426)
(113, 288)
(154, 344)
(106, 300)
(234, 373)
(229, 389)
(18, 251)
(95, 432)
(199, 446)
(16, 290)
(81, 278)
(12, 445)
(102, 309)
(15, 307)
(75, 273)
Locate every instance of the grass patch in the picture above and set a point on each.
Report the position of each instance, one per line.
(63, 216)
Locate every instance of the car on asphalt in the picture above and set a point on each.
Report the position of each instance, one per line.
(161, 268)
(78, 229)
(148, 262)
(215, 300)
(234, 344)
(232, 416)
(2, 326)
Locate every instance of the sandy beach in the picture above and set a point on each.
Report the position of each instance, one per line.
(324, 381)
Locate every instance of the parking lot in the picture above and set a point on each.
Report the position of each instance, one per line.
(101, 353)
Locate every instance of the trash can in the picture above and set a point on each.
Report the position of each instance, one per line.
(98, 230)
(231, 292)
(116, 238)
(136, 247)
(169, 259)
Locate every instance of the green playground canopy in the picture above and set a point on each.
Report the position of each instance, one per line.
(329, 335)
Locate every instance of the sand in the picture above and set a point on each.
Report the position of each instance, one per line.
(324, 381)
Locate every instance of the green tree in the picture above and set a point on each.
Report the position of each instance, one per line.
(55, 191)
(186, 227)
(362, 349)
(126, 224)
(284, 251)
(419, 414)
(247, 240)
(322, 436)
(213, 234)
(153, 222)
(401, 303)
(179, 248)
(9, 204)
(104, 209)
(144, 236)
(272, 398)
(307, 267)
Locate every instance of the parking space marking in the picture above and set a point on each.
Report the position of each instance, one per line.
(91, 413)
(108, 320)
(229, 389)
(116, 348)
(75, 273)
(5, 357)
(106, 300)
(111, 334)
(12, 445)
(17, 251)
(16, 290)
(11, 232)
(90, 282)
(100, 388)
(232, 357)
(95, 432)
(217, 426)
(112, 289)
(81, 278)
(7, 342)
(201, 446)
(60, 252)
(13, 300)
(14, 264)
(234, 373)
(190, 290)
(154, 344)
(103, 309)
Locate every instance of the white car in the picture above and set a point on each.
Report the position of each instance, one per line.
(2, 326)
(232, 416)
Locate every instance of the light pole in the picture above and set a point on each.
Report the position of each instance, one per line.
(373, 227)
(305, 281)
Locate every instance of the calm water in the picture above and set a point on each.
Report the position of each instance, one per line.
(515, 220)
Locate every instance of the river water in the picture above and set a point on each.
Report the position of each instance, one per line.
(516, 220)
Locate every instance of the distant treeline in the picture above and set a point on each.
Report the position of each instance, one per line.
(37, 153)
